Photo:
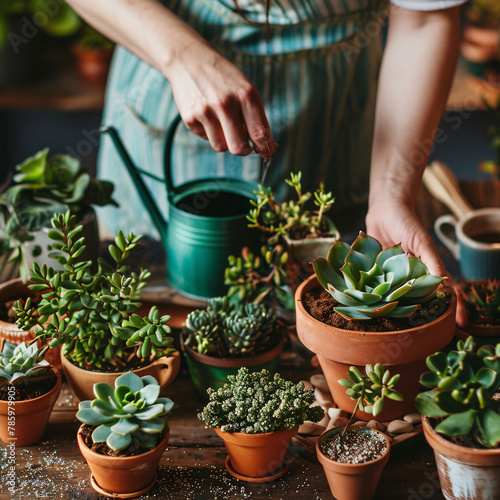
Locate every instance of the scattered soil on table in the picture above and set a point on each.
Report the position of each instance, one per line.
(27, 391)
(319, 304)
(358, 447)
(103, 449)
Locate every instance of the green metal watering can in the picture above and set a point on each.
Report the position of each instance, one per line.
(207, 222)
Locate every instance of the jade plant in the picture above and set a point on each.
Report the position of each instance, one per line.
(370, 390)
(225, 330)
(43, 186)
(131, 412)
(259, 402)
(370, 282)
(482, 300)
(463, 384)
(92, 315)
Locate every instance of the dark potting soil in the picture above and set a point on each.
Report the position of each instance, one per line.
(103, 449)
(304, 232)
(319, 304)
(358, 447)
(27, 391)
(215, 204)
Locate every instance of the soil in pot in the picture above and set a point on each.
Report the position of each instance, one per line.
(27, 392)
(319, 304)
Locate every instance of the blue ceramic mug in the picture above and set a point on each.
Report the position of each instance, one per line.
(477, 242)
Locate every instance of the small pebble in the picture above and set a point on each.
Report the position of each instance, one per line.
(413, 418)
(334, 412)
(373, 424)
(326, 406)
(319, 381)
(311, 428)
(307, 384)
(399, 426)
(322, 396)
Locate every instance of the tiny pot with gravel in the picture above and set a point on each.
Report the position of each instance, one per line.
(353, 463)
(256, 415)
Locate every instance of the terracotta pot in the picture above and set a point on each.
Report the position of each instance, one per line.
(209, 371)
(352, 481)
(483, 330)
(92, 64)
(31, 417)
(257, 455)
(124, 475)
(404, 352)
(81, 381)
(464, 473)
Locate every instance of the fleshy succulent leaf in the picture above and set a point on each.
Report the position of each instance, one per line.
(458, 424)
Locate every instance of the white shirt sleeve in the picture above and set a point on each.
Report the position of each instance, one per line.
(427, 5)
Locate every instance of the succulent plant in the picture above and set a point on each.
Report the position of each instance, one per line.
(131, 412)
(258, 402)
(464, 382)
(22, 364)
(482, 300)
(225, 330)
(370, 282)
(92, 315)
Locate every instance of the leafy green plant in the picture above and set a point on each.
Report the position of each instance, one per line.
(129, 413)
(464, 382)
(259, 402)
(23, 365)
(225, 330)
(44, 186)
(482, 300)
(92, 315)
(370, 391)
(370, 282)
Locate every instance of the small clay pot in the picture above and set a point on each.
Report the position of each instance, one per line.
(92, 64)
(257, 455)
(27, 420)
(210, 371)
(81, 381)
(483, 330)
(464, 473)
(352, 481)
(403, 352)
(123, 475)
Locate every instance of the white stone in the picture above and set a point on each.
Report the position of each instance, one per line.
(322, 397)
(319, 381)
(311, 428)
(399, 426)
(307, 384)
(413, 418)
(334, 412)
(373, 424)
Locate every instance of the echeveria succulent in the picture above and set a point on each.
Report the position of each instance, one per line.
(464, 382)
(131, 411)
(370, 282)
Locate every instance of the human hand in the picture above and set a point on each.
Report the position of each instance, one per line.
(219, 103)
(392, 222)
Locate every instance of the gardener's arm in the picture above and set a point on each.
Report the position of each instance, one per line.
(415, 79)
(216, 100)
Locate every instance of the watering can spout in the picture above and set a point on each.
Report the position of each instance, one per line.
(134, 171)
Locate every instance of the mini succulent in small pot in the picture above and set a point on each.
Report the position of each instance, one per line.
(29, 387)
(383, 305)
(92, 316)
(353, 458)
(124, 434)
(223, 337)
(482, 300)
(257, 414)
(462, 418)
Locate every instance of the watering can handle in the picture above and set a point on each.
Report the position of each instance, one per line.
(167, 160)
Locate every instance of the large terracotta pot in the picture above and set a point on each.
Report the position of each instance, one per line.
(464, 473)
(28, 419)
(123, 475)
(404, 352)
(256, 455)
(352, 481)
(81, 381)
(209, 371)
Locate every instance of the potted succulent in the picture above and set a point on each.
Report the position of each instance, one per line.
(375, 304)
(256, 414)
(353, 458)
(461, 419)
(123, 435)
(92, 316)
(44, 186)
(223, 337)
(29, 387)
(307, 233)
(482, 300)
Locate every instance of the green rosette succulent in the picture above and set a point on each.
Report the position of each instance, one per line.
(370, 282)
(131, 412)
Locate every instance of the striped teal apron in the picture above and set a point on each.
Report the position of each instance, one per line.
(317, 78)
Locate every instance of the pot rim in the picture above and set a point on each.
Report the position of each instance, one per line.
(243, 436)
(234, 362)
(323, 458)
